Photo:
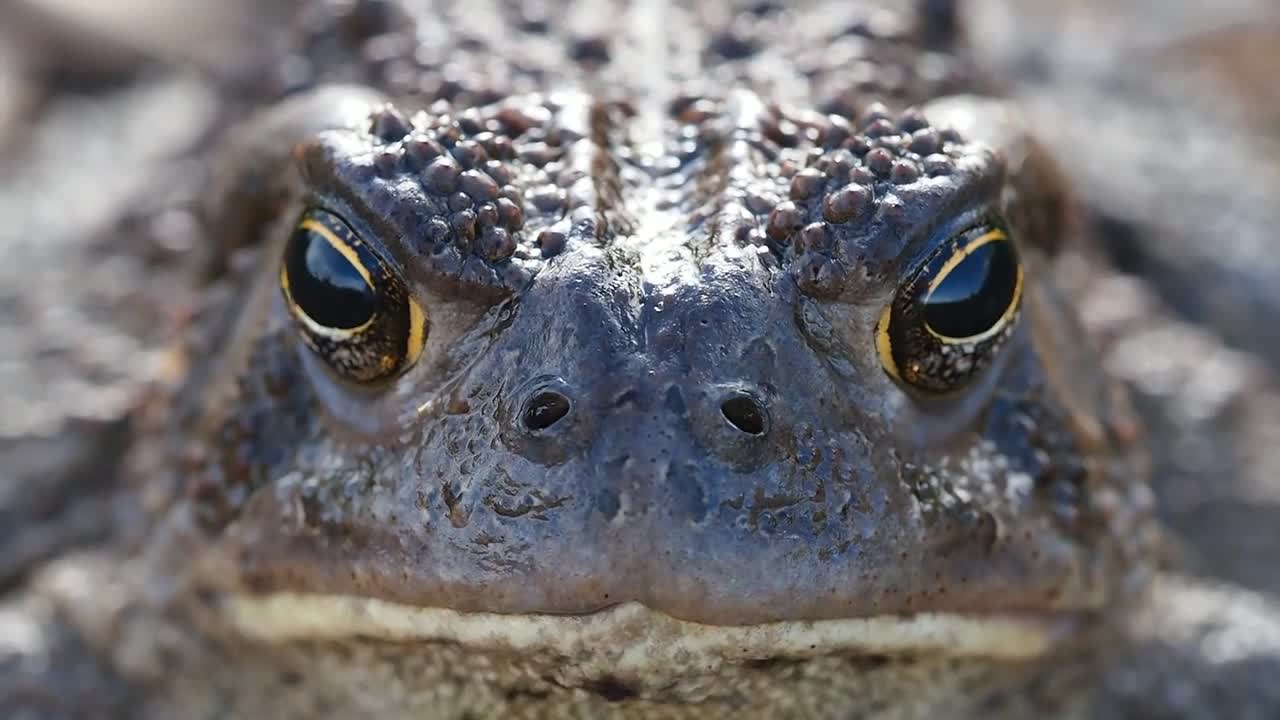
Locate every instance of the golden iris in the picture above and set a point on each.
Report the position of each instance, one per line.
(352, 307)
(954, 312)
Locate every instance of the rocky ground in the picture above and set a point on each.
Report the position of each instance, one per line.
(1166, 116)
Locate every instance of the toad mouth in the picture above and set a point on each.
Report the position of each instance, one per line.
(631, 638)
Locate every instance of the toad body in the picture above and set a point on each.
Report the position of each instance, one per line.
(641, 361)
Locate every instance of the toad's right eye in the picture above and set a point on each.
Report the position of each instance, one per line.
(352, 307)
(952, 316)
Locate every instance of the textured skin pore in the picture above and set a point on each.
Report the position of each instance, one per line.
(727, 223)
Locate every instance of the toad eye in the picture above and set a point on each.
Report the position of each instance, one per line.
(352, 308)
(948, 320)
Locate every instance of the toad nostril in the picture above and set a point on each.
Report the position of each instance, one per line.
(745, 413)
(545, 409)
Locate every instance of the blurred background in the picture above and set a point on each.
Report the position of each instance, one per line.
(1164, 113)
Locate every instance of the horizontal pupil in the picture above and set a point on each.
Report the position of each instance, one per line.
(324, 284)
(975, 294)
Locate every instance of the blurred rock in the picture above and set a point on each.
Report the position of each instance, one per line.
(1163, 129)
(93, 283)
(103, 38)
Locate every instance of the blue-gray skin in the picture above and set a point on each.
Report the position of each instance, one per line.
(640, 302)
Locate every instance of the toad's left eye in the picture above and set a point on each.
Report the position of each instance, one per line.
(351, 306)
(954, 312)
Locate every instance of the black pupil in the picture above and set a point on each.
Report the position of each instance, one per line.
(977, 292)
(324, 284)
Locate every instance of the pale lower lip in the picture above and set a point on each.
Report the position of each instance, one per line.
(633, 638)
